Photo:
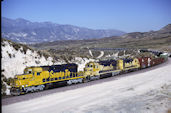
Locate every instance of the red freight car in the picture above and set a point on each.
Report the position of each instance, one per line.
(145, 62)
(157, 61)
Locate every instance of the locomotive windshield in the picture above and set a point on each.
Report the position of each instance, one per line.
(89, 65)
(28, 71)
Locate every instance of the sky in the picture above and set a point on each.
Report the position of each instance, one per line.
(125, 15)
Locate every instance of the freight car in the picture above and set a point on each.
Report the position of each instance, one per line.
(44, 77)
(145, 62)
(157, 61)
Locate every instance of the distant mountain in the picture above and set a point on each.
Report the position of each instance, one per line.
(160, 39)
(24, 31)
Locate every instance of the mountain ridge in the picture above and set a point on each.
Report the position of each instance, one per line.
(152, 39)
(24, 31)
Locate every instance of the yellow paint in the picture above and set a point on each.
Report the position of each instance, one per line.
(120, 64)
(132, 65)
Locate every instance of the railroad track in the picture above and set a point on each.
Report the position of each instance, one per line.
(14, 99)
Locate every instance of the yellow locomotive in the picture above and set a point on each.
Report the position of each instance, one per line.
(96, 70)
(38, 78)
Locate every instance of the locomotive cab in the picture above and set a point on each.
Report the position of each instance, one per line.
(92, 69)
(28, 78)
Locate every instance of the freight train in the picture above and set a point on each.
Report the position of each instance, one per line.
(37, 78)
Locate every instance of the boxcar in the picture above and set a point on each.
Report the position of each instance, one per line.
(157, 61)
(145, 62)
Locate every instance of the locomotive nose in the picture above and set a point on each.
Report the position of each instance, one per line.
(16, 82)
